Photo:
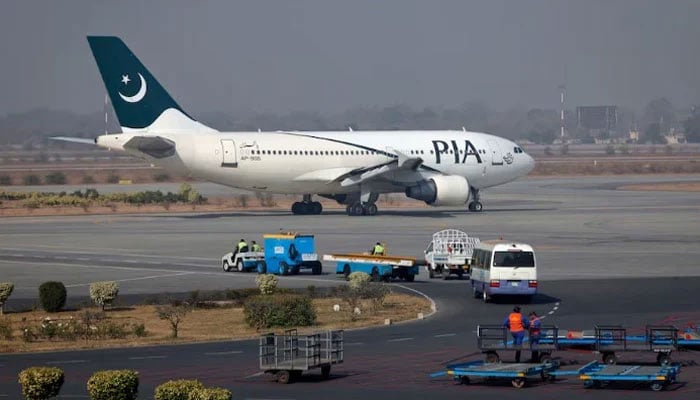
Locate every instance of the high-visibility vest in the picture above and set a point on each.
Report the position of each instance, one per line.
(378, 249)
(241, 245)
(256, 247)
(515, 321)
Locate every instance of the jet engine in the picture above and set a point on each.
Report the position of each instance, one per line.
(441, 190)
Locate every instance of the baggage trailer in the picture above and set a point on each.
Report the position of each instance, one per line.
(610, 340)
(288, 253)
(449, 253)
(378, 267)
(494, 338)
(518, 373)
(289, 355)
(597, 375)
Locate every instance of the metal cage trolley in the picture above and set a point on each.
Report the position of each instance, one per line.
(494, 338)
(287, 356)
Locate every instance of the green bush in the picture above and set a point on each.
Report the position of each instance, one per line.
(31, 180)
(103, 293)
(210, 394)
(162, 177)
(5, 180)
(52, 296)
(55, 178)
(6, 289)
(358, 280)
(40, 383)
(262, 312)
(177, 390)
(113, 178)
(267, 283)
(113, 385)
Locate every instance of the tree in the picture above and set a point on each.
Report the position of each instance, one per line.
(692, 127)
(652, 134)
(174, 314)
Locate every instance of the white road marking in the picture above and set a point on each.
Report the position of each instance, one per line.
(67, 362)
(254, 375)
(83, 259)
(123, 252)
(222, 353)
(131, 261)
(147, 358)
(400, 339)
(433, 306)
(137, 279)
(60, 257)
(354, 344)
(445, 335)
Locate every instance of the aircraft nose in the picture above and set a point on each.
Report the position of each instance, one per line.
(529, 163)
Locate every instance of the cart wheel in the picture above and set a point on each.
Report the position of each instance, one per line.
(475, 292)
(518, 383)
(590, 384)
(262, 267)
(657, 386)
(326, 371)
(284, 377)
(226, 266)
(492, 357)
(375, 275)
(546, 358)
(663, 359)
(609, 358)
(239, 265)
(464, 380)
(485, 296)
(431, 274)
(284, 268)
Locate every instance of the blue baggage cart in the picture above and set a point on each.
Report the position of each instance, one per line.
(288, 253)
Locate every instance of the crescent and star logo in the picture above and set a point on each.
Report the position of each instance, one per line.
(139, 95)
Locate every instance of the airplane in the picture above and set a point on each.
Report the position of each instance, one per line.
(440, 167)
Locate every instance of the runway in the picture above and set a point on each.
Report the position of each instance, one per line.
(605, 256)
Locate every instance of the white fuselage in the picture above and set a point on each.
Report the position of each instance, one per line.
(310, 162)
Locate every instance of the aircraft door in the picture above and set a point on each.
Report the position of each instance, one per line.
(228, 153)
(496, 155)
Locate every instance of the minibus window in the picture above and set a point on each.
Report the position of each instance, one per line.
(514, 259)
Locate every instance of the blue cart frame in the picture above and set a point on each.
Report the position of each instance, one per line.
(596, 374)
(518, 373)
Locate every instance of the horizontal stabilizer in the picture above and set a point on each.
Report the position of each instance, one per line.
(74, 139)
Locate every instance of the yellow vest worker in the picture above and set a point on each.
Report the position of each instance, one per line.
(242, 245)
(378, 250)
(255, 247)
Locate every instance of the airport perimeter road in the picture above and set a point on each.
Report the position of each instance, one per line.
(605, 256)
(395, 361)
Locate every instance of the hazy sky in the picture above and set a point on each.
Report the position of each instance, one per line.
(329, 55)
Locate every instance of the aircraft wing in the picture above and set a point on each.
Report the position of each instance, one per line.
(355, 176)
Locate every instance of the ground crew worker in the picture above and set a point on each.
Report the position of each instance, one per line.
(535, 332)
(241, 247)
(255, 247)
(517, 324)
(378, 250)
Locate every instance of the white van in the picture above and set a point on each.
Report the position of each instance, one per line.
(503, 268)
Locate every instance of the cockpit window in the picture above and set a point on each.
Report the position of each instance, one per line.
(517, 150)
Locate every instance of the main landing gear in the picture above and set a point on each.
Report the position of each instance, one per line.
(358, 208)
(475, 204)
(307, 207)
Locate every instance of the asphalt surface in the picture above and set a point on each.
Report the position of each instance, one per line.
(605, 256)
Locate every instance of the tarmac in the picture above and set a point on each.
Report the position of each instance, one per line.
(605, 256)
